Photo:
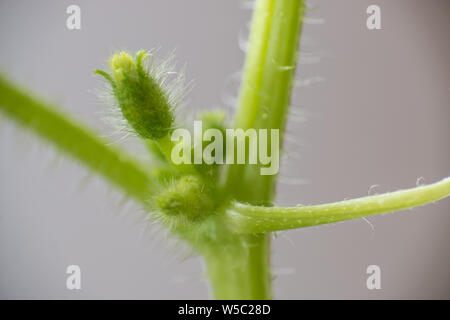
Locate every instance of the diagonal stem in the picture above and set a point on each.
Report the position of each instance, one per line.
(74, 140)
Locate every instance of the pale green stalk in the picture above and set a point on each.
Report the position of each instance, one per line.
(75, 140)
(263, 103)
(253, 219)
(228, 223)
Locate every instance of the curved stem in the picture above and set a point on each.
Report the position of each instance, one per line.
(254, 219)
(75, 140)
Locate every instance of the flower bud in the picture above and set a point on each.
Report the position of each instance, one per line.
(141, 98)
(186, 197)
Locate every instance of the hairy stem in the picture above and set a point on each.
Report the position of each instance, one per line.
(266, 87)
(74, 139)
(254, 219)
(235, 270)
(264, 99)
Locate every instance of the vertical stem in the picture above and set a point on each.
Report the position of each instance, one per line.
(241, 270)
(266, 87)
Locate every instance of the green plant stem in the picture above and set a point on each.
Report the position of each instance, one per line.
(264, 99)
(75, 140)
(235, 270)
(253, 219)
(165, 146)
(266, 88)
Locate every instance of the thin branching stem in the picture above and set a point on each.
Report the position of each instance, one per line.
(254, 219)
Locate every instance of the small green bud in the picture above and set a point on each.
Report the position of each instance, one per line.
(186, 197)
(140, 96)
(211, 120)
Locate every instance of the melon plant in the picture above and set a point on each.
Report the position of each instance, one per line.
(223, 211)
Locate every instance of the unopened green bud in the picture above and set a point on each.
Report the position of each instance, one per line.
(186, 197)
(142, 100)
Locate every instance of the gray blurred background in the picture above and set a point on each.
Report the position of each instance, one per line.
(379, 115)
